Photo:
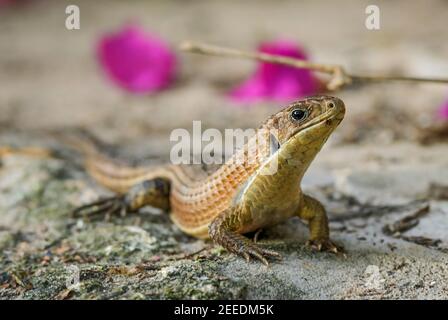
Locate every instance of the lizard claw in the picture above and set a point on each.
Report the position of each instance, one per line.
(249, 250)
(325, 245)
(257, 235)
(237, 243)
(106, 206)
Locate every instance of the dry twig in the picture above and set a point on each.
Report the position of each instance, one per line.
(397, 228)
(406, 223)
(340, 78)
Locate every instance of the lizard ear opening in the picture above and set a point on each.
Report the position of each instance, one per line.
(275, 145)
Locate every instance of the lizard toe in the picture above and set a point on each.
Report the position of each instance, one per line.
(106, 207)
(262, 255)
(325, 245)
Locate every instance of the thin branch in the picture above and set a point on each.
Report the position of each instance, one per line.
(379, 78)
(340, 78)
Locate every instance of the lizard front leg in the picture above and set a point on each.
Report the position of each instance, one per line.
(153, 193)
(314, 212)
(223, 231)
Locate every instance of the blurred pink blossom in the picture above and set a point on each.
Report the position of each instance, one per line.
(137, 61)
(442, 113)
(277, 82)
(11, 3)
(6, 2)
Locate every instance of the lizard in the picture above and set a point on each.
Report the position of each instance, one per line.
(244, 194)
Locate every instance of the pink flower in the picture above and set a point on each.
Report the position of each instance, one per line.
(277, 82)
(442, 113)
(136, 61)
(4, 3)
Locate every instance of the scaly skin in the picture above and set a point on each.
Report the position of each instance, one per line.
(255, 188)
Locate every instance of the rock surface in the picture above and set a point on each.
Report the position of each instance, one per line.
(144, 256)
(371, 175)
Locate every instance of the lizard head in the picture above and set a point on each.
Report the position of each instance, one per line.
(307, 122)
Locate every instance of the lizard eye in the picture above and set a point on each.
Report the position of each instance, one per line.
(299, 114)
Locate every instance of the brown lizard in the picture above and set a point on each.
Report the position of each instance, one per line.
(244, 194)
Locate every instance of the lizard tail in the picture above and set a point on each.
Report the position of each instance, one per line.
(116, 176)
(37, 152)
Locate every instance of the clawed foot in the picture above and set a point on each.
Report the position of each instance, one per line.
(220, 231)
(325, 245)
(106, 207)
(250, 250)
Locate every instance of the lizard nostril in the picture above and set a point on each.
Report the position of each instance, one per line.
(331, 105)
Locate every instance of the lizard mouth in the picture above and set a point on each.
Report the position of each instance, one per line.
(328, 120)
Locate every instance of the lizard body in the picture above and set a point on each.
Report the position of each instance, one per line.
(257, 187)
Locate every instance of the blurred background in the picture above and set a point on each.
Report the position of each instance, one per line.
(53, 78)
